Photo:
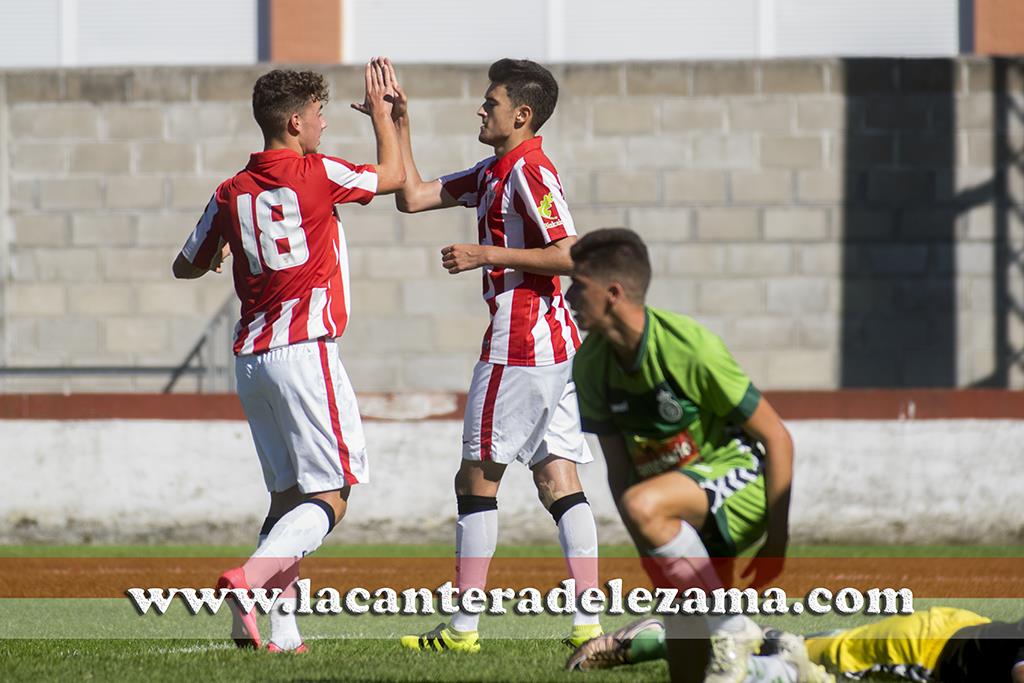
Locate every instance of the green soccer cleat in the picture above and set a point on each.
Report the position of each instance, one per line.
(581, 633)
(441, 639)
(612, 649)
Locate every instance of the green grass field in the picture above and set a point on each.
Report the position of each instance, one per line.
(103, 639)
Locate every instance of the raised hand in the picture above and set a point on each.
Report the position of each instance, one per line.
(379, 93)
(399, 102)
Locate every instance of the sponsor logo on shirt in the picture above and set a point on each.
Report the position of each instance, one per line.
(654, 456)
(545, 207)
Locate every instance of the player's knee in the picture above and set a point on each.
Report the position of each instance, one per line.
(478, 479)
(550, 492)
(547, 489)
(335, 503)
(555, 478)
(544, 496)
(281, 502)
(639, 509)
(463, 484)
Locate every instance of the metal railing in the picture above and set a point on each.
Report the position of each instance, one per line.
(1008, 201)
(211, 360)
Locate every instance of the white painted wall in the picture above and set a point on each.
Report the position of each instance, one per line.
(48, 33)
(30, 33)
(129, 32)
(163, 481)
(451, 31)
(179, 32)
(856, 28)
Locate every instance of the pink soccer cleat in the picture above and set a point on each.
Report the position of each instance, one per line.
(300, 650)
(247, 636)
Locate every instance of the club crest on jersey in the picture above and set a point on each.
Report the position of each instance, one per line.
(545, 207)
(669, 410)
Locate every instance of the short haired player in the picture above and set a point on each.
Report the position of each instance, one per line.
(290, 272)
(521, 404)
(699, 463)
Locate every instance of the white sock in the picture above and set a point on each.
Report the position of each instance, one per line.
(684, 561)
(296, 534)
(284, 629)
(578, 535)
(476, 537)
(772, 669)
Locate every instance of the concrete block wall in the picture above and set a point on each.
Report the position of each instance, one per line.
(143, 466)
(771, 194)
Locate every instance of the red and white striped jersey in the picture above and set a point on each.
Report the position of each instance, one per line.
(520, 204)
(290, 261)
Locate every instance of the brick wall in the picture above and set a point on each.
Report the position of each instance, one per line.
(998, 27)
(839, 223)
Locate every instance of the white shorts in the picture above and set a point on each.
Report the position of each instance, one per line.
(303, 416)
(522, 413)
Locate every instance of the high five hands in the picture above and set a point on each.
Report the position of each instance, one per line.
(382, 90)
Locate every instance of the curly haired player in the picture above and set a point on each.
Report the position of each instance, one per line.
(290, 272)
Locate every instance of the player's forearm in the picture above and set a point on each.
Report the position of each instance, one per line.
(766, 426)
(390, 169)
(553, 259)
(413, 194)
(778, 484)
(412, 174)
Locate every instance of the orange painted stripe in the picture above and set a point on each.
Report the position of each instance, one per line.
(95, 577)
(849, 404)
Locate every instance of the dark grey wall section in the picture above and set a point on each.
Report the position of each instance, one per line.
(899, 261)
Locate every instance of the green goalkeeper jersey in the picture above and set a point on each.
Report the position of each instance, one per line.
(681, 402)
